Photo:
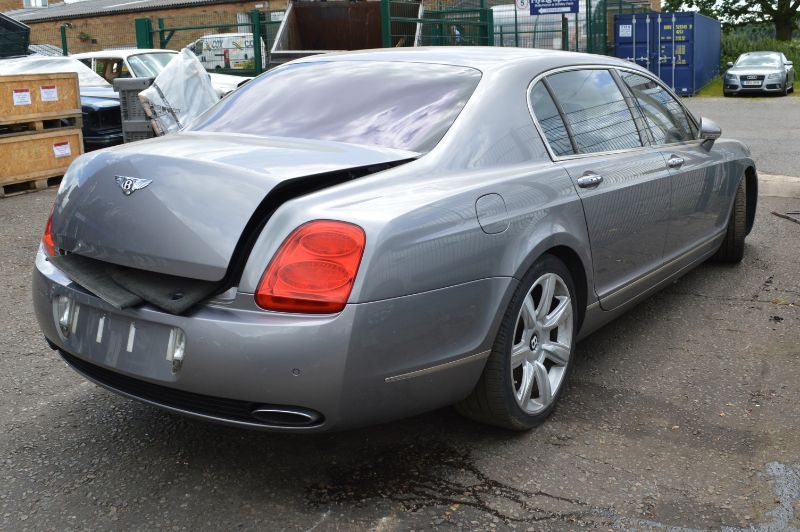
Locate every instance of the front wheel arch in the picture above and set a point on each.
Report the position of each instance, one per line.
(752, 197)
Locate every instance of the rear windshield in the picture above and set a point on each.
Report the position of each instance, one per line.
(408, 106)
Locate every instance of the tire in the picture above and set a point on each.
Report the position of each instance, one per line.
(727, 94)
(543, 354)
(732, 248)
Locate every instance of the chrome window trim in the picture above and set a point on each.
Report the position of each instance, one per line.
(647, 74)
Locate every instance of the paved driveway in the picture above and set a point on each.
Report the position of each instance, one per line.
(685, 412)
(769, 125)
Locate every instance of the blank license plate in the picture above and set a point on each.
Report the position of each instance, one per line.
(752, 83)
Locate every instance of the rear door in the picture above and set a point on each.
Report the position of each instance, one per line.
(623, 184)
(701, 188)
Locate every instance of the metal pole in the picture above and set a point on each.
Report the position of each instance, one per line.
(516, 28)
(64, 47)
(589, 27)
(255, 20)
(673, 51)
(577, 34)
(386, 24)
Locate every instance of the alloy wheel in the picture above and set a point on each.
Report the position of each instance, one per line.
(542, 343)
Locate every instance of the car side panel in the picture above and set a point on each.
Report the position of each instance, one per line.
(701, 188)
(627, 216)
(427, 236)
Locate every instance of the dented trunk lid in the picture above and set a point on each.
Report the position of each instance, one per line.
(194, 195)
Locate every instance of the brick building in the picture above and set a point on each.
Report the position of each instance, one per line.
(100, 24)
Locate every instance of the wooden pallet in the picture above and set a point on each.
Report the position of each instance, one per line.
(37, 126)
(14, 189)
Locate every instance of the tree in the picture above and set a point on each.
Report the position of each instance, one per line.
(783, 14)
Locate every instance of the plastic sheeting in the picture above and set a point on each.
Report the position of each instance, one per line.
(181, 92)
(40, 64)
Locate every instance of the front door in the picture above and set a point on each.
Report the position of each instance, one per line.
(701, 188)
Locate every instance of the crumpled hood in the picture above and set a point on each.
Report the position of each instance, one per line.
(196, 193)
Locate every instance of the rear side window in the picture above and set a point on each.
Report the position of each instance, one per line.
(408, 106)
(550, 120)
(664, 116)
(595, 111)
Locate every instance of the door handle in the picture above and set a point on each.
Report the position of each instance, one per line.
(675, 162)
(589, 180)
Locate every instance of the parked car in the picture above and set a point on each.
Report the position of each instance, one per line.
(102, 123)
(441, 232)
(768, 72)
(146, 63)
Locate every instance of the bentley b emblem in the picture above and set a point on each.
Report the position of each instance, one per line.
(129, 185)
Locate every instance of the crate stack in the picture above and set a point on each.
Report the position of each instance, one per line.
(40, 130)
(135, 123)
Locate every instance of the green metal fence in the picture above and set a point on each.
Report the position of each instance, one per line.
(402, 23)
(414, 23)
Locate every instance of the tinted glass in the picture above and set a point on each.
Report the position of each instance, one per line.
(149, 65)
(550, 120)
(396, 105)
(595, 111)
(664, 117)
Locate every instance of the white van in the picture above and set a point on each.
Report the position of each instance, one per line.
(227, 50)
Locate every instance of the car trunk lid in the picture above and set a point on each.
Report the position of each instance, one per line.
(179, 205)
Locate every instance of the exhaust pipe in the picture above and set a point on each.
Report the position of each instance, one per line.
(286, 417)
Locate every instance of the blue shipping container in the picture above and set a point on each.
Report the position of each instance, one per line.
(683, 49)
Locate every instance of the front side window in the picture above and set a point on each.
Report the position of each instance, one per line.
(550, 120)
(407, 106)
(596, 113)
(664, 116)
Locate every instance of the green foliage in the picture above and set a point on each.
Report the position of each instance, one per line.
(782, 14)
(734, 45)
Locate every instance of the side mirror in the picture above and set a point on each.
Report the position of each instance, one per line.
(789, 63)
(709, 132)
(730, 65)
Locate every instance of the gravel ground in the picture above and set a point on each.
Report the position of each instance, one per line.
(683, 413)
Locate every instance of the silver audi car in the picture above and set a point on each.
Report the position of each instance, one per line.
(768, 72)
(358, 237)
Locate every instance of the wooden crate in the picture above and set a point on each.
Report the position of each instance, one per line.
(32, 97)
(33, 158)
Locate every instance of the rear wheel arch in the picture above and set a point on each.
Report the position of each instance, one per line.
(577, 269)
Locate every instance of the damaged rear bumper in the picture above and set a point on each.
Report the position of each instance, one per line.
(246, 367)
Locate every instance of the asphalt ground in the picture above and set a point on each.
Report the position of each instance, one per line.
(683, 414)
(767, 124)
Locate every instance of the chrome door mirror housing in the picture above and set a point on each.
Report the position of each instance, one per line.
(709, 132)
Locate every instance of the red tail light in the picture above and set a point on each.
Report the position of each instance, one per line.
(314, 269)
(47, 238)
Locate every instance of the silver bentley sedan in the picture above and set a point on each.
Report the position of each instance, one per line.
(768, 72)
(358, 237)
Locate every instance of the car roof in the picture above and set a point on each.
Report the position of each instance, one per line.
(484, 58)
(121, 52)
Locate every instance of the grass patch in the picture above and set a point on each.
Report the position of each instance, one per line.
(714, 90)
